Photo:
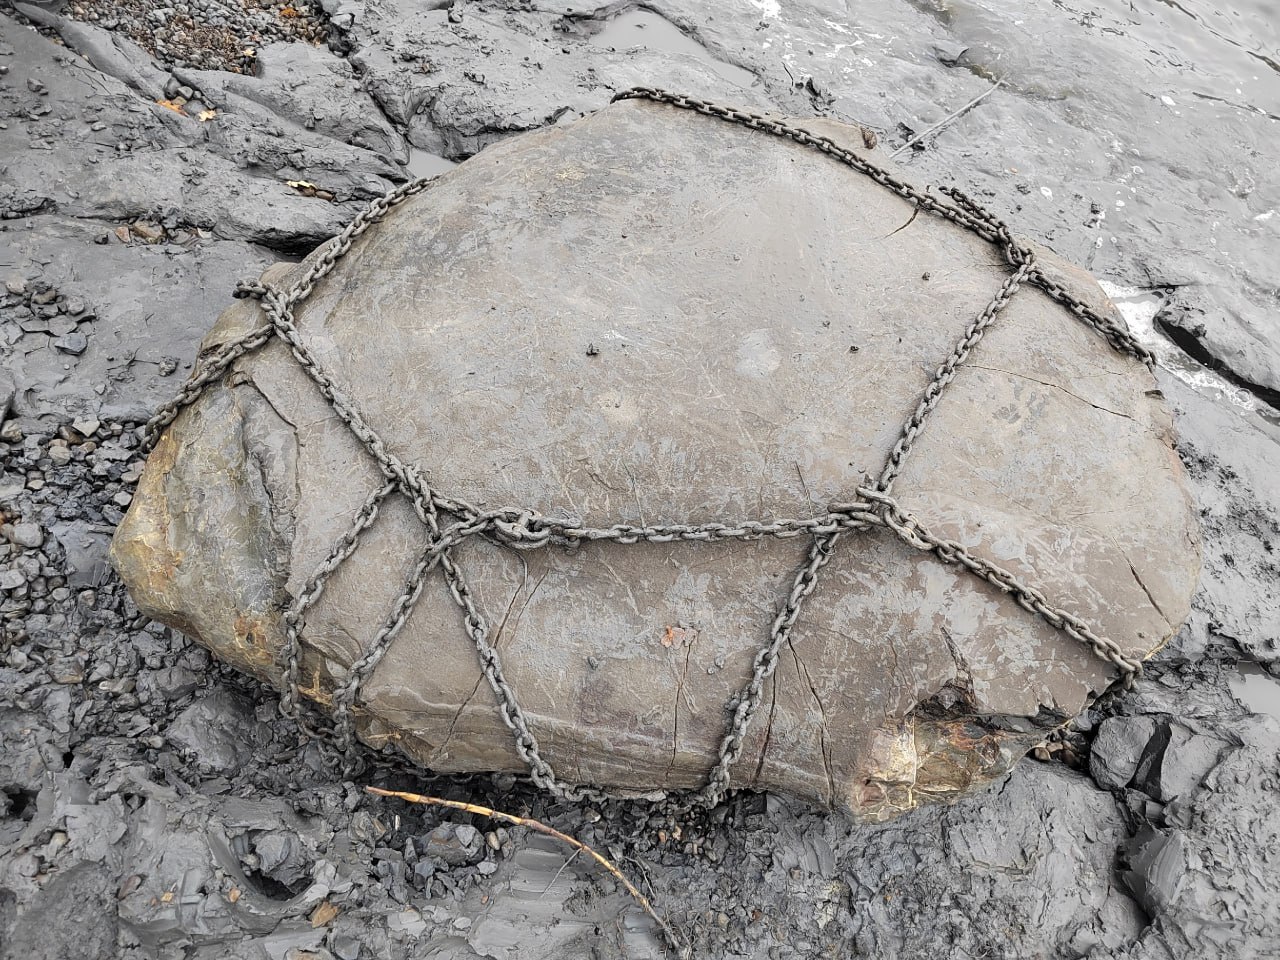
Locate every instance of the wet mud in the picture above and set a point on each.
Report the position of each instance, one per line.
(153, 805)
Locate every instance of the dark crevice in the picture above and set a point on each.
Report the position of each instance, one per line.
(271, 888)
(1193, 347)
(21, 803)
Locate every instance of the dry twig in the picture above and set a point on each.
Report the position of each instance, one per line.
(673, 941)
(949, 117)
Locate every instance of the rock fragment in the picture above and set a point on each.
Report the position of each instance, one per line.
(26, 534)
(1117, 749)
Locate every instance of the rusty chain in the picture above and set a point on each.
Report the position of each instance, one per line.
(526, 529)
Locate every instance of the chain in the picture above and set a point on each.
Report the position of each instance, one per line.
(962, 211)
(527, 529)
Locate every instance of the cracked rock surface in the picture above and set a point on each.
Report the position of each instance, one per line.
(1146, 831)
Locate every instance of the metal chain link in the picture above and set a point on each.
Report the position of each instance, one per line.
(964, 211)
(526, 529)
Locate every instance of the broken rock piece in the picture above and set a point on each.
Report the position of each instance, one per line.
(595, 342)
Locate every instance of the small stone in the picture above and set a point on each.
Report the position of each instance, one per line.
(148, 232)
(123, 498)
(70, 673)
(1117, 749)
(16, 287)
(12, 579)
(455, 844)
(73, 343)
(86, 427)
(59, 452)
(174, 683)
(27, 535)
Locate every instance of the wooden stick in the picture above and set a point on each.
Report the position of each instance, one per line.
(673, 941)
(949, 117)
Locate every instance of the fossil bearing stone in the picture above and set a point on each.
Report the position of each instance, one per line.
(649, 317)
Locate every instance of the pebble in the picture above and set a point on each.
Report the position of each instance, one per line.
(59, 453)
(27, 535)
(12, 579)
(147, 231)
(206, 34)
(454, 843)
(73, 343)
(176, 682)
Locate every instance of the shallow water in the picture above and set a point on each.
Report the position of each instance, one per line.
(1257, 689)
(423, 163)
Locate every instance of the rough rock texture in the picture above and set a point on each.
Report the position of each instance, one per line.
(708, 324)
(1168, 109)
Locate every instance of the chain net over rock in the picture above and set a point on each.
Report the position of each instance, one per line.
(448, 521)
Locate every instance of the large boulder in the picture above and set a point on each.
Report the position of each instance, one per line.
(650, 317)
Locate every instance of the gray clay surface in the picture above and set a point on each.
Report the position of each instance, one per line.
(152, 804)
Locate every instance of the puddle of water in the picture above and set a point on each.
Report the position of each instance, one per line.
(1257, 689)
(644, 28)
(1139, 308)
(424, 164)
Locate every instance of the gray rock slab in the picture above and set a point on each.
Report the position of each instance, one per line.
(72, 918)
(674, 357)
(1233, 458)
(1199, 873)
(314, 90)
(219, 729)
(122, 156)
(544, 73)
(151, 302)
